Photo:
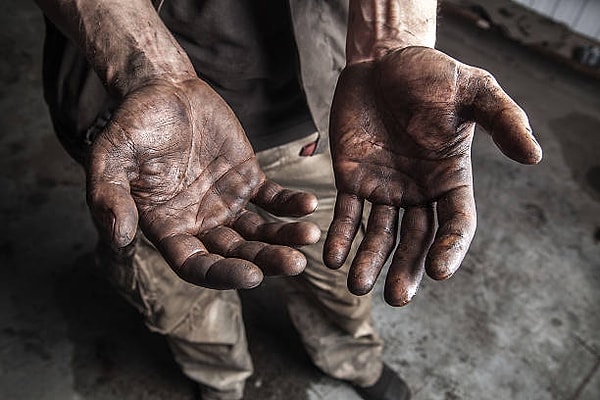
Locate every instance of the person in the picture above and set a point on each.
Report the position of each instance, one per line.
(186, 113)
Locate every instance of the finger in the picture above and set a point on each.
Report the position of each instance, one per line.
(407, 267)
(271, 259)
(284, 202)
(506, 122)
(457, 221)
(374, 250)
(114, 211)
(342, 231)
(192, 262)
(108, 193)
(254, 227)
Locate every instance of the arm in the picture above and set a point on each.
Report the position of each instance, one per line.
(402, 123)
(174, 157)
(376, 27)
(125, 41)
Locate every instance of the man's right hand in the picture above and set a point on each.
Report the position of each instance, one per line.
(175, 157)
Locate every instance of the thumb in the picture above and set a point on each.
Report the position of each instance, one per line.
(505, 121)
(114, 212)
(108, 193)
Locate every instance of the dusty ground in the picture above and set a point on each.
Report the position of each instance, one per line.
(519, 321)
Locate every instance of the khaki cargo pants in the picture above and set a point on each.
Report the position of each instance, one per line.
(204, 327)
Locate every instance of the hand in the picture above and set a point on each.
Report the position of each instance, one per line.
(401, 134)
(175, 153)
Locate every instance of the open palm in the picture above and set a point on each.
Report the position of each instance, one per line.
(401, 134)
(175, 157)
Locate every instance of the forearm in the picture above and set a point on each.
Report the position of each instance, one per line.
(376, 27)
(125, 41)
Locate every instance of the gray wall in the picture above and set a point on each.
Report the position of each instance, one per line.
(582, 16)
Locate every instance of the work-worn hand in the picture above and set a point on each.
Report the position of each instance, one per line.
(401, 134)
(175, 153)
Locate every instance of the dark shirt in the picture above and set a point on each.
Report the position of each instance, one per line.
(244, 49)
(247, 52)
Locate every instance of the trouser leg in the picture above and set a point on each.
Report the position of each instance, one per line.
(335, 326)
(204, 327)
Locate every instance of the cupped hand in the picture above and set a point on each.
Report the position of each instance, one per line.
(175, 159)
(401, 134)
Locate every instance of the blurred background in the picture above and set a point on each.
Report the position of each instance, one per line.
(520, 320)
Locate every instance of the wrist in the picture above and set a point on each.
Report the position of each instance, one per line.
(137, 51)
(138, 69)
(378, 27)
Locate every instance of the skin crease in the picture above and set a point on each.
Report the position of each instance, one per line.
(376, 26)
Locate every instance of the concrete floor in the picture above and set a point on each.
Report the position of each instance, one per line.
(519, 321)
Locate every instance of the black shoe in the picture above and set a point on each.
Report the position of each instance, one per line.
(389, 386)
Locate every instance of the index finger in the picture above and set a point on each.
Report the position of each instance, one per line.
(457, 220)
